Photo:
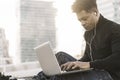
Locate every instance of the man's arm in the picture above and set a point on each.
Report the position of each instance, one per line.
(85, 57)
(81, 63)
(75, 65)
(112, 62)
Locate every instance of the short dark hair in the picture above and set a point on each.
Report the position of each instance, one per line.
(86, 5)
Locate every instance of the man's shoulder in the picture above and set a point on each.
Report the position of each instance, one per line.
(115, 26)
(108, 21)
(112, 25)
(115, 29)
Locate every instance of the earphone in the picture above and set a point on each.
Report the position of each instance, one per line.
(90, 43)
(95, 13)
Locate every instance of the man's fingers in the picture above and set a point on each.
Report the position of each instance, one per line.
(67, 66)
(74, 67)
(63, 67)
(70, 65)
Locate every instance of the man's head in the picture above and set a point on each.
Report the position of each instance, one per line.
(87, 13)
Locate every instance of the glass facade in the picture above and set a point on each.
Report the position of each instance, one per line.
(37, 26)
(116, 5)
(110, 9)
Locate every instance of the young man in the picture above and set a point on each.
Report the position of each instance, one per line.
(102, 38)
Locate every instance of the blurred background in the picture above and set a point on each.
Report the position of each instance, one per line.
(24, 24)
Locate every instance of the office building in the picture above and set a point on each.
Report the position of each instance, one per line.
(37, 26)
(4, 56)
(110, 9)
(116, 5)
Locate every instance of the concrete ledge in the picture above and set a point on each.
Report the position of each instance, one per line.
(26, 69)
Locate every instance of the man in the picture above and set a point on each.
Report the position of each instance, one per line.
(102, 38)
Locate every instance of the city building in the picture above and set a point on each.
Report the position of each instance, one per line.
(106, 8)
(116, 7)
(4, 56)
(37, 25)
(110, 9)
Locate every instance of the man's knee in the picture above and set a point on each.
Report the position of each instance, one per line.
(61, 53)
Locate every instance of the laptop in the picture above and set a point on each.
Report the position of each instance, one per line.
(48, 61)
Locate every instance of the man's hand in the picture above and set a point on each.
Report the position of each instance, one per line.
(75, 65)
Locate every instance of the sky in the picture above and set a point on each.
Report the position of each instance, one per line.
(69, 30)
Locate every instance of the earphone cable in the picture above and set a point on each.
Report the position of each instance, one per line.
(89, 44)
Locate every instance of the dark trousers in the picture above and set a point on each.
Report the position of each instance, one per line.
(63, 57)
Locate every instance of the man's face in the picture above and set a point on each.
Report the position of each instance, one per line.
(87, 19)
